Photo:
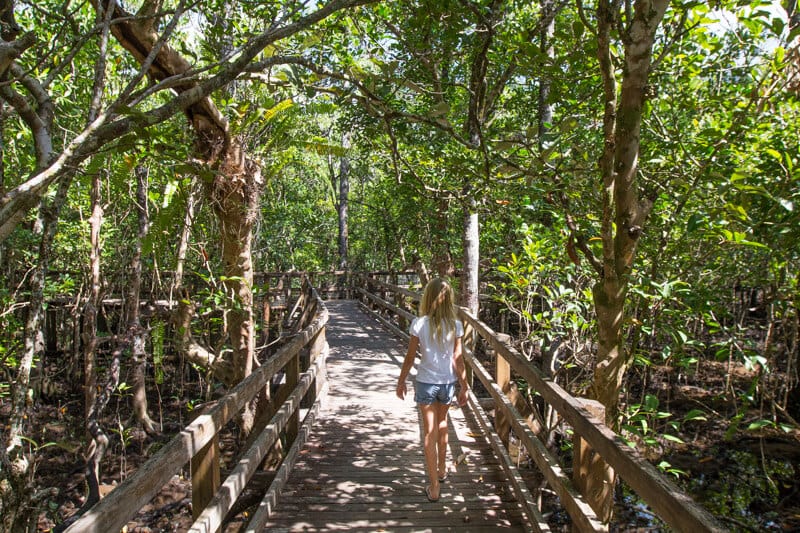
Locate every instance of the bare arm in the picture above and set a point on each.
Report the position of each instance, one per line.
(408, 362)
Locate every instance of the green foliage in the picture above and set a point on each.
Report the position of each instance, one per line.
(645, 421)
(718, 160)
(550, 300)
(157, 340)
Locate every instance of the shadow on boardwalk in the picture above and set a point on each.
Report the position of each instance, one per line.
(363, 466)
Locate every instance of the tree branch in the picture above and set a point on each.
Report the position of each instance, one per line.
(16, 202)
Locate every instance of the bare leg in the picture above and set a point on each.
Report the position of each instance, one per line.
(431, 430)
(441, 422)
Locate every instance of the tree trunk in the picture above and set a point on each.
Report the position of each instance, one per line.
(442, 258)
(18, 467)
(344, 192)
(621, 203)
(469, 274)
(99, 444)
(546, 38)
(99, 440)
(421, 270)
(235, 196)
(183, 245)
(89, 333)
(135, 329)
(234, 192)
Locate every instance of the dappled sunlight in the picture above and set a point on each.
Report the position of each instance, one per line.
(363, 465)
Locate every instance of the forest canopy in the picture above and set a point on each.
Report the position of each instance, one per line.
(612, 183)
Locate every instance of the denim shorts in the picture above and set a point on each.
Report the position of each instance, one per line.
(428, 393)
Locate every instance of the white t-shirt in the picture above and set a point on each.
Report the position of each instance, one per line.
(437, 365)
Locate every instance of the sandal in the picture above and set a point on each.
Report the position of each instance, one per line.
(443, 477)
(428, 494)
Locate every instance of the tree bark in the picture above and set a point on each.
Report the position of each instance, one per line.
(99, 440)
(186, 232)
(621, 203)
(18, 467)
(342, 204)
(470, 274)
(545, 118)
(16, 470)
(135, 330)
(442, 258)
(235, 196)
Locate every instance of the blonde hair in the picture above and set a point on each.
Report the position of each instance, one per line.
(437, 304)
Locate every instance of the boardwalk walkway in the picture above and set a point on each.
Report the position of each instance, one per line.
(363, 468)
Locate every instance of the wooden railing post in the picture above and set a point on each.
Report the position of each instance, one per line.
(400, 301)
(204, 469)
(470, 339)
(592, 476)
(503, 377)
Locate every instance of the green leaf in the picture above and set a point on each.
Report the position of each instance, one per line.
(694, 414)
(758, 424)
(577, 28)
(280, 107)
(775, 154)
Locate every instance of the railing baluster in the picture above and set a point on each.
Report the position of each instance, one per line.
(590, 473)
(204, 468)
(503, 378)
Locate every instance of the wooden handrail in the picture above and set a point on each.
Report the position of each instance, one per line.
(576, 506)
(415, 296)
(113, 512)
(671, 504)
(211, 518)
(391, 307)
(666, 499)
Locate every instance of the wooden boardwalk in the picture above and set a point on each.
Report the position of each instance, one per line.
(363, 468)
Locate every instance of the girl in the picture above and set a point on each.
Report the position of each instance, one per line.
(437, 333)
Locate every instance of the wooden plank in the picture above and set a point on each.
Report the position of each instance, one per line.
(520, 489)
(113, 512)
(422, 519)
(318, 349)
(413, 295)
(472, 528)
(578, 509)
(262, 514)
(292, 380)
(308, 505)
(502, 375)
(671, 504)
